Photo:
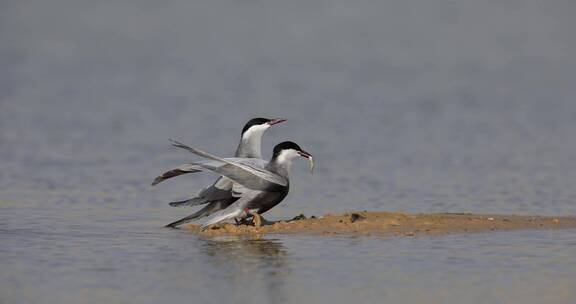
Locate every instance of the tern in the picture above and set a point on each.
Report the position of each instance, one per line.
(219, 195)
(257, 185)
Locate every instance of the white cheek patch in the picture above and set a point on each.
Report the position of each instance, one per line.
(287, 155)
(256, 130)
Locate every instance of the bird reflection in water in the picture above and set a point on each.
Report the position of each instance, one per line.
(255, 269)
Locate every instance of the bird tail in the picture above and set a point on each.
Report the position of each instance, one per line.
(222, 217)
(190, 202)
(201, 213)
(206, 211)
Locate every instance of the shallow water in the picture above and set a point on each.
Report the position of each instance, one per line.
(417, 106)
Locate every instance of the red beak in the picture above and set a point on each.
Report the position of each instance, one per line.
(276, 121)
(305, 154)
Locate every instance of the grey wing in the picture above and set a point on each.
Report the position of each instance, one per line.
(248, 175)
(252, 162)
(219, 190)
(193, 168)
(182, 169)
(237, 190)
(225, 188)
(206, 211)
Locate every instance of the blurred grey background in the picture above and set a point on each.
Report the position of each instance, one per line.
(408, 105)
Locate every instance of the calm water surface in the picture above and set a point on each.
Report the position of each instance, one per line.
(416, 106)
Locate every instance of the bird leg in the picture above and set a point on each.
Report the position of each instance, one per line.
(241, 221)
(257, 220)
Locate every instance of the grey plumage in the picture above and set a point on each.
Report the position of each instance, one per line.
(247, 172)
(259, 186)
(205, 211)
(219, 194)
(182, 169)
(248, 147)
(221, 190)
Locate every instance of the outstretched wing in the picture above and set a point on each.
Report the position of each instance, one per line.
(193, 168)
(249, 175)
(182, 169)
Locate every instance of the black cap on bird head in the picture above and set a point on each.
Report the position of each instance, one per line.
(287, 145)
(261, 121)
(290, 145)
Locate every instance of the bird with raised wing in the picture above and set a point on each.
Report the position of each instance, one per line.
(218, 195)
(248, 147)
(257, 186)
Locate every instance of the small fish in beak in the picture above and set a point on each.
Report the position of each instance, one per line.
(310, 159)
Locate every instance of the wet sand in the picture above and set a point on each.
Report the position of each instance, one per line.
(391, 224)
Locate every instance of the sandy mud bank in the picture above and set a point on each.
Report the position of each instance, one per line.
(392, 224)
